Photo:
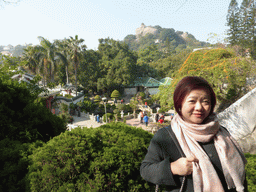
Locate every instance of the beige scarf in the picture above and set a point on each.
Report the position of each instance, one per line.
(205, 178)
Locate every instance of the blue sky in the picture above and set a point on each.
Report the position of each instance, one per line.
(95, 19)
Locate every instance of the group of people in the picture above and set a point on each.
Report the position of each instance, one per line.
(161, 119)
(144, 118)
(195, 153)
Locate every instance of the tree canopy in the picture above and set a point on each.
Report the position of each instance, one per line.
(225, 71)
(116, 66)
(241, 22)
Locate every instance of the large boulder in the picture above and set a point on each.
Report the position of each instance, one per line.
(143, 30)
(240, 120)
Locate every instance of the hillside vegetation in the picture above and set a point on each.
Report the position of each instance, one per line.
(222, 68)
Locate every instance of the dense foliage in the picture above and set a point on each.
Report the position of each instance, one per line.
(116, 66)
(89, 70)
(241, 23)
(251, 171)
(87, 105)
(225, 71)
(102, 159)
(24, 119)
(22, 122)
(13, 166)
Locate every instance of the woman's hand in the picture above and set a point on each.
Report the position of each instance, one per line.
(183, 166)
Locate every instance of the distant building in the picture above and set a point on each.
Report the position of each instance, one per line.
(148, 84)
(8, 48)
(6, 53)
(23, 76)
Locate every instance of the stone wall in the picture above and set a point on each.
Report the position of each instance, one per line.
(153, 91)
(132, 91)
(240, 120)
(129, 91)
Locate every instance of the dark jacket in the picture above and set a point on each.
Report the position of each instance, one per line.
(157, 117)
(162, 150)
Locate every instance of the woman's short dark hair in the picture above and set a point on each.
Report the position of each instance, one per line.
(186, 85)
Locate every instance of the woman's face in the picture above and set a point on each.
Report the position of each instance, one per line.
(196, 106)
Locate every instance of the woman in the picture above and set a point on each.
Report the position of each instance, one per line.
(195, 153)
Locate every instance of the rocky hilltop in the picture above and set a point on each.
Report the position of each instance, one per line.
(143, 30)
(163, 37)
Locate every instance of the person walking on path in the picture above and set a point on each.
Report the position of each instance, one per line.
(98, 118)
(157, 117)
(141, 116)
(146, 119)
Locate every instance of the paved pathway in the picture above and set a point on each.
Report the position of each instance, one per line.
(85, 122)
(136, 123)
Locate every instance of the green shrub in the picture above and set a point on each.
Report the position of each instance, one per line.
(162, 110)
(97, 99)
(72, 106)
(107, 158)
(142, 95)
(51, 85)
(251, 171)
(63, 107)
(120, 107)
(66, 117)
(149, 101)
(109, 116)
(22, 118)
(79, 104)
(59, 95)
(117, 114)
(88, 106)
(68, 96)
(115, 94)
(12, 167)
(14, 164)
(128, 108)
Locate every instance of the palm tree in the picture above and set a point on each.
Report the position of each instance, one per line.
(62, 46)
(48, 56)
(31, 56)
(75, 53)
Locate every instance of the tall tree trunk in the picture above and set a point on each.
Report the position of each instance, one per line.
(50, 72)
(76, 78)
(76, 63)
(67, 74)
(45, 71)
